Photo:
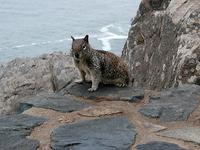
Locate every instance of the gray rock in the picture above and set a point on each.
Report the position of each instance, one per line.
(30, 76)
(190, 134)
(153, 127)
(100, 134)
(15, 128)
(109, 92)
(159, 145)
(163, 45)
(175, 104)
(53, 101)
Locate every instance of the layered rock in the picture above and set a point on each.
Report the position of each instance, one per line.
(163, 45)
(29, 76)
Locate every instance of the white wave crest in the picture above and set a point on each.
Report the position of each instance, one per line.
(108, 36)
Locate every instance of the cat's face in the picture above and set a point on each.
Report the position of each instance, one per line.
(79, 46)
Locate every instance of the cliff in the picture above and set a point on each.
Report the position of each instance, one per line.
(163, 45)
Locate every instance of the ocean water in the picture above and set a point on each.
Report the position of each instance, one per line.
(30, 28)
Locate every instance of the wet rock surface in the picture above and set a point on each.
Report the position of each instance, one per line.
(53, 101)
(174, 104)
(105, 133)
(190, 134)
(106, 92)
(15, 128)
(159, 145)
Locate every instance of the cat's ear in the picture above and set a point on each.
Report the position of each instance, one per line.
(72, 38)
(86, 38)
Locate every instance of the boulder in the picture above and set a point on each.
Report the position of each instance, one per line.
(175, 104)
(100, 134)
(163, 45)
(29, 76)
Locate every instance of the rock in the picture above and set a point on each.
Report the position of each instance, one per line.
(153, 127)
(98, 111)
(30, 76)
(159, 145)
(66, 119)
(163, 45)
(190, 134)
(53, 101)
(15, 128)
(106, 133)
(106, 92)
(175, 104)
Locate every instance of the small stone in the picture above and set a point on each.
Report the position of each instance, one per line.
(66, 119)
(97, 111)
(154, 127)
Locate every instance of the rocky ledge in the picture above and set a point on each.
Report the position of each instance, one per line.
(108, 92)
(67, 120)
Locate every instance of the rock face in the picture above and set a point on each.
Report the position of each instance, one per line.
(163, 45)
(175, 104)
(53, 101)
(107, 134)
(29, 76)
(15, 128)
(106, 92)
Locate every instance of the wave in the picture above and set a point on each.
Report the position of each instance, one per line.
(40, 43)
(105, 35)
(108, 36)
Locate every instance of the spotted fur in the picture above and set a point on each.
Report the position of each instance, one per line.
(101, 66)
